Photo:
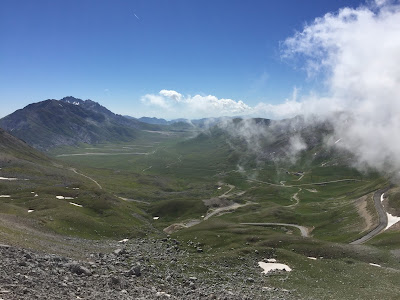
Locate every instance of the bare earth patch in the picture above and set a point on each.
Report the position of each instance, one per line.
(362, 209)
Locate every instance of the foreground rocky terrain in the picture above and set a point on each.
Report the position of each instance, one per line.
(135, 269)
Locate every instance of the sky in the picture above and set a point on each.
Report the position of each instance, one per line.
(121, 53)
(211, 58)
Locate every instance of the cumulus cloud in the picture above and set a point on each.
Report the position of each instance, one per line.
(155, 100)
(357, 52)
(195, 106)
(171, 94)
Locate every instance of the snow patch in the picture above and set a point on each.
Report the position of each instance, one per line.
(64, 198)
(5, 196)
(6, 178)
(375, 265)
(391, 219)
(75, 204)
(30, 210)
(271, 260)
(156, 218)
(123, 241)
(313, 258)
(268, 267)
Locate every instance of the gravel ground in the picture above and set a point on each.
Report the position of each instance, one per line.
(138, 269)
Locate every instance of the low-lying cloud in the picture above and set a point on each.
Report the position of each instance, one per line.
(355, 53)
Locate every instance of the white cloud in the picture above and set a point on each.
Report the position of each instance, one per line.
(155, 100)
(171, 94)
(357, 51)
(356, 54)
(196, 106)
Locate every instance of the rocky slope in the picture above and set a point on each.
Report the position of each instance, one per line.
(136, 269)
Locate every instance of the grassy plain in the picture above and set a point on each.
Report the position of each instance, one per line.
(168, 175)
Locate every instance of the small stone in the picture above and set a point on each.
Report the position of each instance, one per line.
(22, 263)
(135, 270)
(163, 295)
(119, 251)
(115, 280)
(79, 270)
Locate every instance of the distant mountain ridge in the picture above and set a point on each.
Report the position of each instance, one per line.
(69, 121)
(155, 121)
(201, 123)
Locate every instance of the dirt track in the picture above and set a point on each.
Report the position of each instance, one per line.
(383, 221)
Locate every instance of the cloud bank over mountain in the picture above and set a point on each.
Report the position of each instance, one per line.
(355, 53)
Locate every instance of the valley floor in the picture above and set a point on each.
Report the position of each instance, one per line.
(162, 219)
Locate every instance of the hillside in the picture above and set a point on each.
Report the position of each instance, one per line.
(248, 190)
(42, 196)
(242, 192)
(13, 147)
(69, 121)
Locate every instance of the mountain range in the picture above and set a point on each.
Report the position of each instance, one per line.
(70, 121)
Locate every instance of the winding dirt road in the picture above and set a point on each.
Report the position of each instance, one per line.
(383, 220)
(75, 171)
(303, 230)
(304, 184)
(296, 198)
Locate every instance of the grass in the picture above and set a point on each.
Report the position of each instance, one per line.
(178, 173)
(185, 171)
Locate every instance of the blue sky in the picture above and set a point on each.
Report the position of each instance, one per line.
(116, 52)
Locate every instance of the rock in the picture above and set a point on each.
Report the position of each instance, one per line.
(199, 250)
(113, 276)
(163, 295)
(135, 270)
(79, 270)
(22, 264)
(119, 251)
(115, 280)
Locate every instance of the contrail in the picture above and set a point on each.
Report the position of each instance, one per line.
(136, 16)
